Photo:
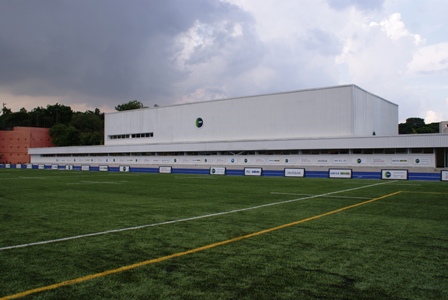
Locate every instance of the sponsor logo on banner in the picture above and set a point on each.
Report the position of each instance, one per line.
(322, 161)
(338, 173)
(8, 166)
(399, 161)
(422, 161)
(165, 170)
(260, 160)
(378, 161)
(274, 161)
(394, 174)
(340, 161)
(294, 172)
(124, 168)
(54, 167)
(18, 166)
(233, 160)
(103, 168)
(252, 171)
(41, 167)
(69, 167)
(305, 161)
(29, 166)
(85, 168)
(444, 175)
(218, 171)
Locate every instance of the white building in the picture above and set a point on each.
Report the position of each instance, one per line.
(342, 126)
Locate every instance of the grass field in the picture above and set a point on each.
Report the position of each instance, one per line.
(97, 235)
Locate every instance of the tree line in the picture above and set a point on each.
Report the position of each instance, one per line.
(67, 127)
(417, 125)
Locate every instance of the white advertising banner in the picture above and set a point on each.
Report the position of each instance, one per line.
(41, 167)
(85, 168)
(7, 166)
(294, 172)
(340, 173)
(252, 171)
(29, 166)
(54, 167)
(124, 169)
(444, 175)
(165, 170)
(217, 171)
(18, 166)
(394, 174)
(69, 167)
(103, 168)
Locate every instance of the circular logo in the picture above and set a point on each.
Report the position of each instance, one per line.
(359, 161)
(417, 161)
(388, 174)
(245, 160)
(199, 122)
(213, 171)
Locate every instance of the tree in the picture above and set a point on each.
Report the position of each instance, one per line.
(417, 125)
(63, 135)
(134, 104)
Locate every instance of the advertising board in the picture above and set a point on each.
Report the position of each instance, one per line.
(294, 172)
(444, 175)
(340, 173)
(217, 171)
(29, 166)
(124, 168)
(103, 168)
(85, 168)
(69, 167)
(165, 170)
(252, 171)
(394, 174)
(54, 167)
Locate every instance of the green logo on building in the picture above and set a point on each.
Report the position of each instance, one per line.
(199, 122)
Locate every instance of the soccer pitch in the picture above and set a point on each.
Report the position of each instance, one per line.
(98, 235)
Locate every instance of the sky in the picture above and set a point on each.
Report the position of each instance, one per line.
(91, 54)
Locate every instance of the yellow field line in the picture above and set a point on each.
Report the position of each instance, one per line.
(434, 193)
(156, 260)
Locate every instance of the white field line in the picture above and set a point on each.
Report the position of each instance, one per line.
(185, 219)
(345, 197)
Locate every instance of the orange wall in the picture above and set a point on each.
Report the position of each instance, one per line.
(14, 143)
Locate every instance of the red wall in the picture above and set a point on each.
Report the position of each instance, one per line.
(14, 143)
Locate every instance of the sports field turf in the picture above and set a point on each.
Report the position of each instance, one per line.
(99, 235)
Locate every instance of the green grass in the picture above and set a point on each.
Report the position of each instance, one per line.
(392, 248)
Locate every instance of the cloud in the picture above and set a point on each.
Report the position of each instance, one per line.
(395, 28)
(97, 49)
(360, 4)
(430, 59)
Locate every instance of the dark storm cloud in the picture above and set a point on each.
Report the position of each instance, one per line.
(360, 4)
(102, 48)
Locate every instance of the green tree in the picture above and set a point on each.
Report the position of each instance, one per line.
(63, 135)
(134, 104)
(411, 125)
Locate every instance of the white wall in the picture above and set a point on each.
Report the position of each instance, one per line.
(327, 112)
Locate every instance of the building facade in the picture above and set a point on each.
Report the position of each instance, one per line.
(342, 126)
(14, 144)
